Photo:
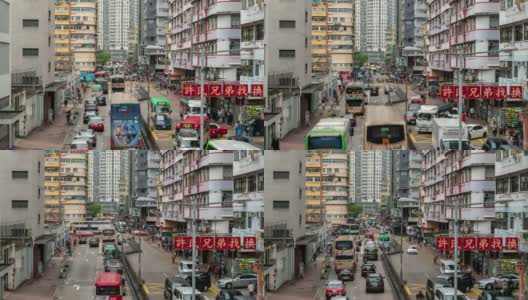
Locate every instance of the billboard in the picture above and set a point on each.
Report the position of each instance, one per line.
(125, 124)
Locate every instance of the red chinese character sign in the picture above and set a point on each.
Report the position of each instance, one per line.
(229, 90)
(241, 90)
(215, 243)
(511, 244)
(257, 90)
(471, 92)
(250, 243)
(487, 92)
(516, 92)
(480, 244)
(207, 243)
(183, 243)
(189, 90)
(483, 244)
(215, 90)
(500, 92)
(442, 243)
(470, 243)
(223, 90)
(482, 92)
(447, 92)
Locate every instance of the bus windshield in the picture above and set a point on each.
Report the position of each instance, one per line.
(107, 290)
(118, 80)
(352, 90)
(325, 142)
(108, 232)
(376, 134)
(344, 245)
(162, 109)
(355, 103)
(190, 144)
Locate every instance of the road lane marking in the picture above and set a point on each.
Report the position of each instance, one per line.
(411, 136)
(407, 290)
(154, 135)
(145, 288)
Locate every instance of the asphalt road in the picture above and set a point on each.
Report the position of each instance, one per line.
(87, 264)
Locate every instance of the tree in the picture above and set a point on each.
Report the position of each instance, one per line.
(103, 57)
(359, 58)
(355, 210)
(93, 209)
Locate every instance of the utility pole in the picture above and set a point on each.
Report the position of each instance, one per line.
(202, 100)
(148, 93)
(139, 258)
(401, 245)
(460, 107)
(194, 230)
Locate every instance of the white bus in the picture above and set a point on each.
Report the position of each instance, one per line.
(385, 129)
(329, 134)
(229, 145)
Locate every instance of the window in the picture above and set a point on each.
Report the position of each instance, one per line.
(305, 68)
(281, 175)
(235, 21)
(260, 181)
(19, 174)
(30, 23)
(30, 52)
(252, 183)
(494, 22)
(489, 173)
(234, 47)
(518, 33)
(305, 42)
(4, 63)
(19, 204)
(4, 17)
(514, 184)
(279, 204)
(286, 53)
(305, 16)
(524, 182)
(286, 24)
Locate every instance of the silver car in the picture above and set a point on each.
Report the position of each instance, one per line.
(88, 134)
(241, 281)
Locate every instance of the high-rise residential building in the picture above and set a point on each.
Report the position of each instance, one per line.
(437, 52)
(375, 28)
(327, 187)
(26, 248)
(34, 89)
(181, 39)
(434, 191)
(409, 170)
(113, 23)
(145, 174)
(370, 178)
(156, 17)
(108, 176)
(248, 195)
(414, 21)
(171, 203)
(65, 195)
(75, 35)
(514, 69)
(134, 30)
(10, 114)
(286, 243)
(332, 35)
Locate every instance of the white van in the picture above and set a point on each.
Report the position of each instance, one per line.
(185, 266)
(193, 108)
(447, 266)
(185, 293)
(449, 294)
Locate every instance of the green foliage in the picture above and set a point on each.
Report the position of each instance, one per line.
(103, 57)
(93, 209)
(360, 59)
(355, 210)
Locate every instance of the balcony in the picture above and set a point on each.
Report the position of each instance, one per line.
(213, 186)
(218, 34)
(214, 213)
(479, 8)
(218, 61)
(473, 213)
(223, 7)
(479, 159)
(481, 35)
(477, 62)
(216, 158)
(511, 15)
(252, 14)
(255, 44)
(436, 216)
(253, 54)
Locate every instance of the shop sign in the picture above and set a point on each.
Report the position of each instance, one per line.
(216, 243)
(226, 90)
(482, 92)
(477, 243)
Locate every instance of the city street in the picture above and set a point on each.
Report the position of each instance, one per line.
(87, 264)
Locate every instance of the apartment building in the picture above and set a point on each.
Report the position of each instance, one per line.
(434, 191)
(438, 36)
(171, 202)
(414, 16)
(65, 183)
(9, 114)
(286, 242)
(511, 209)
(156, 17)
(409, 172)
(34, 89)
(108, 176)
(180, 41)
(25, 246)
(248, 196)
(327, 187)
(113, 20)
(513, 17)
(75, 35)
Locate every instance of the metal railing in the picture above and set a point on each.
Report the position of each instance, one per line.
(394, 280)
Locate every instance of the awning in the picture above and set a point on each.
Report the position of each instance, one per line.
(10, 117)
(4, 268)
(311, 88)
(44, 239)
(55, 86)
(305, 240)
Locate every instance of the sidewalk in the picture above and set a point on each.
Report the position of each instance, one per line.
(307, 288)
(50, 136)
(40, 288)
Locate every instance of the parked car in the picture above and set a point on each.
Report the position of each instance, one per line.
(202, 280)
(93, 242)
(87, 134)
(171, 283)
(185, 266)
(334, 288)
(228, 295)
(88, 115)
(505, 294)
(499, 282)
(493, 144)
(79, 145)
(240, 281)
(345, 274)
(412, 249)
(367, 269)
(477, 131)
(96, 123)
(217, 130)
(464, 283)
(374, 283)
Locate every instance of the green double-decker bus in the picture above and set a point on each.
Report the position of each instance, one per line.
(329, 134)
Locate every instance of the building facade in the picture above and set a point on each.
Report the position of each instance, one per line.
(65, 195)
(113, 20)
(75, 35)
(327, 187)
(25, 246)
(414, 20)
(145, 174)
(108, 176)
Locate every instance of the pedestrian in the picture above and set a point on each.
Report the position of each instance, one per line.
(251, 289)
(65, 103)
(472, 112)
(301, 270)
(307, 118)
(420, 296)
(314, 257)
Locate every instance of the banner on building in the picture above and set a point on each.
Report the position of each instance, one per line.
(478, 243)
(481, 92)
(223, 90)
(216, 243)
